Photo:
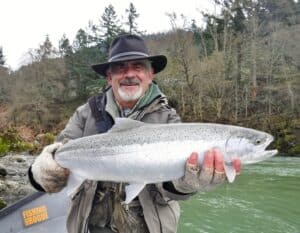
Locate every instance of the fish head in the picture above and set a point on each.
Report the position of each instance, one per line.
(248, 145)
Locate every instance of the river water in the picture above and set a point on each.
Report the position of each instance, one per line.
(264, 199)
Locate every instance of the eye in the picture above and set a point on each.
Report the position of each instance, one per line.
(138, 66)
(258, 141)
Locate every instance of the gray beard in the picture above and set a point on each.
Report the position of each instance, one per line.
(130, 96)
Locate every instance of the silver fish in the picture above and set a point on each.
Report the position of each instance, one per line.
(140, 153)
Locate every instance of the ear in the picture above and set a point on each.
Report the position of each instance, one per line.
(151, 73)
(109, 77)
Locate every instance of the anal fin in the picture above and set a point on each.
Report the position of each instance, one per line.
(132, 190)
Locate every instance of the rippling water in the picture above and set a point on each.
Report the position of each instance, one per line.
(264, 199)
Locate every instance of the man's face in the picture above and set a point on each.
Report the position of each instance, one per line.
(130, 80)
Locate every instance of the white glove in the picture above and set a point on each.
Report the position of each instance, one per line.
(46, 171)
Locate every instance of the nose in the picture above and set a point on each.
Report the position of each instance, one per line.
(129, 72)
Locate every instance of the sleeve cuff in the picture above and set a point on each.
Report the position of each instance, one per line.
(169, 190)
(36, 185)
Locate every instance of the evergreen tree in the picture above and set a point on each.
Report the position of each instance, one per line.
(46, 50)
(65, 49)
(86, 52)
(110, 26)
(2, 58)
(131, 19)
(81, 40)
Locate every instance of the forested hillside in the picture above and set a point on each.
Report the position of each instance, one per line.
(240, 67)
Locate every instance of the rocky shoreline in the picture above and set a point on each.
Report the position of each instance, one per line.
(14, 183)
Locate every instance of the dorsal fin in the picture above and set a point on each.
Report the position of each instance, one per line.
(122, 124)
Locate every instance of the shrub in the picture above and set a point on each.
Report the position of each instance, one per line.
(10, 140)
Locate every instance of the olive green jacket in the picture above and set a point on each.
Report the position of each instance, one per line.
(160, 208)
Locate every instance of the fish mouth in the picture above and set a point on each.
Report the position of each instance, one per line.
(263, 155)
(252, 153)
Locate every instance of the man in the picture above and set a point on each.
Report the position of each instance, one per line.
(97, 206)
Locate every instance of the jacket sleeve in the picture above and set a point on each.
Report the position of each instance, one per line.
(73, 129)
(76, 124)
(173, 116)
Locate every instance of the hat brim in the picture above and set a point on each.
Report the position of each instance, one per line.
(158, 63)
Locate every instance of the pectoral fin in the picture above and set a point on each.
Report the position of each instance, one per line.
(132, 190)
(74, 182)
(230, 172)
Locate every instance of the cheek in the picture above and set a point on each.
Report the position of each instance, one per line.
(113, 81)
(146, 83)
(147, 80)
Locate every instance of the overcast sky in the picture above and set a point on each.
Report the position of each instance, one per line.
(25, 23)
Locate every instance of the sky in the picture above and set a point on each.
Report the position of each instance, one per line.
(25, 24)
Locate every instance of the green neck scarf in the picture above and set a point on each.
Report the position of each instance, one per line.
(152, 93)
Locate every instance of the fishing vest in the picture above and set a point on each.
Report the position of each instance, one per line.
(108, 214)
(104, 121)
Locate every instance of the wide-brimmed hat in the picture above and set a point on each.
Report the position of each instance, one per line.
(127, 48)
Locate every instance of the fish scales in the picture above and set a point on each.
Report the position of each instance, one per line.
(139, 153)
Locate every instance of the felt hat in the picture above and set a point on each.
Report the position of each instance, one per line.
(127, 48)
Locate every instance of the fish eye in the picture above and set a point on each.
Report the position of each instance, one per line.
(258, 141)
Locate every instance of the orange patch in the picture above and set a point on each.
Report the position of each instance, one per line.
(35, 215)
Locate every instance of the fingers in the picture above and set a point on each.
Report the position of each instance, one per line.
(192, 162)
(207, 171)
(53, 147)
(219, 161)
(207, 176)
(213, 168)
(219, 172)
(236, 163)
(189, 182)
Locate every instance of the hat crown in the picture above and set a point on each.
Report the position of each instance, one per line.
(127, 45)
(130, 47)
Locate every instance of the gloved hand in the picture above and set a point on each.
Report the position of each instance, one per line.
(46, 171)
(210, 175)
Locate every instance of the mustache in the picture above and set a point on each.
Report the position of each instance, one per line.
(130, 81)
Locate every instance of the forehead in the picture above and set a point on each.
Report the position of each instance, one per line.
(133, 62)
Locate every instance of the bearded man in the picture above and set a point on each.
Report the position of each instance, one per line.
(96, 207)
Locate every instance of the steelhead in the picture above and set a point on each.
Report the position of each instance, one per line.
(140, 153)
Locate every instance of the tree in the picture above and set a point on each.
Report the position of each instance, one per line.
(131, 19)
(5, 83)
(199, 39)
(86, 52)
(2, 58)
(45, 50)
(110, 26)
(65, 49)
(81, 40)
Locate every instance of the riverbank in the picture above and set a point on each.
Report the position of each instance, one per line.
(14, 183)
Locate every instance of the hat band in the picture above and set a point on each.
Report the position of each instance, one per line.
(126, 54)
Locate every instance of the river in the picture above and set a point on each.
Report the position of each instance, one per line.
(264, 199)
